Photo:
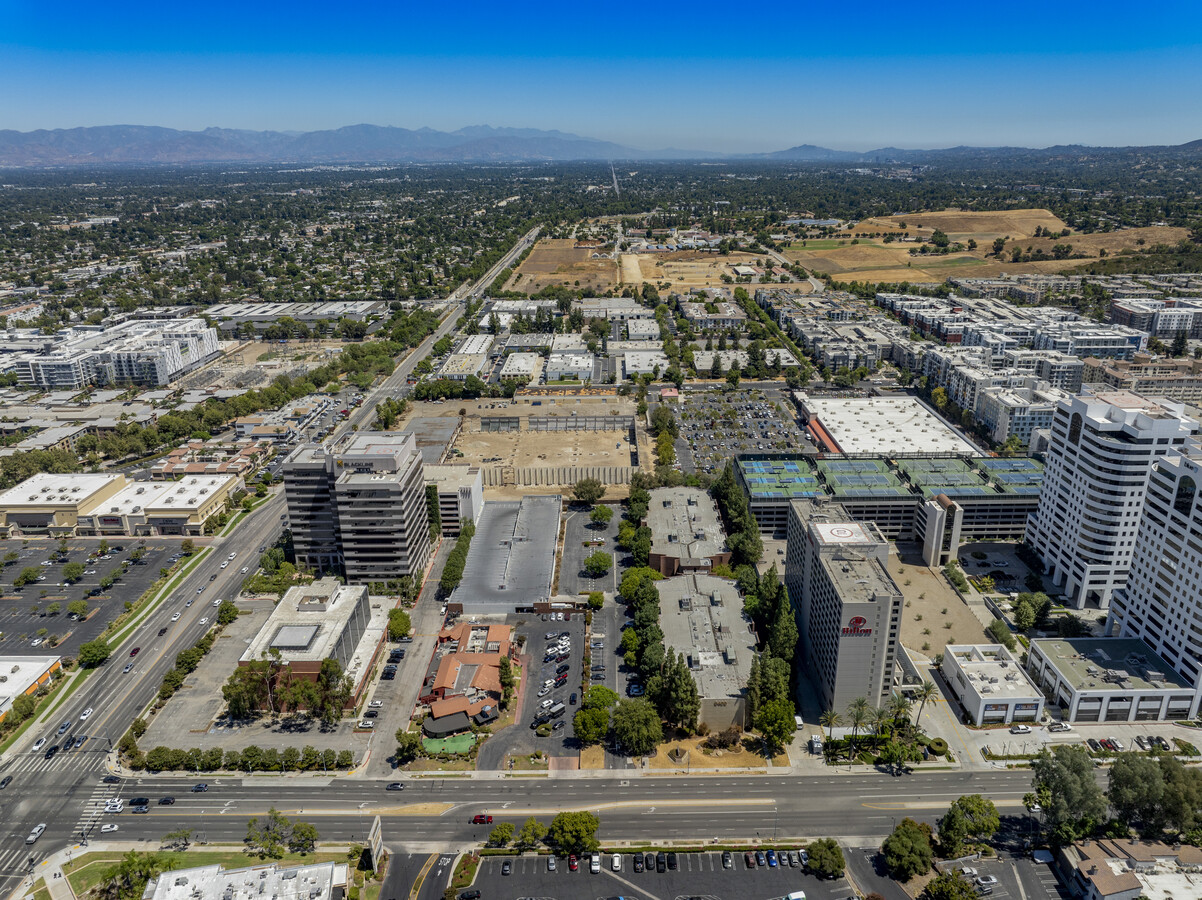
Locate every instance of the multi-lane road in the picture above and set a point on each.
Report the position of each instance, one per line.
(68, 792)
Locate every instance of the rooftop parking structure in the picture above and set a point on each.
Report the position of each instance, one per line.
(952, 477)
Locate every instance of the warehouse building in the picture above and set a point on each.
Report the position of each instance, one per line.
(686, 531)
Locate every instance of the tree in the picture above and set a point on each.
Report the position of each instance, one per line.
(178, 839)
(227, 612)
(826, 858)
(925, 693)
(77, 608)
(591, 725)
(501, 835)
(1136, 790)
(970, 817)
(950, 886)
(783, 639)
(598, 563)
(1024, 615)
(408, 746)
(637, 726)
(662, 419)
(1180, 344)
(399, 624)
(93, 653)
(1075, 802)
(775, 721)
(588, 490)
(186, 547)
(732, 378)
(72, 572)
(267, 836)
(999, 631)
(574, 832)
(303, 838)
(908, 851)
(28, 575)
(601, 515)
(506, 677)
(830, 720)
(127, 879)
(531, 834)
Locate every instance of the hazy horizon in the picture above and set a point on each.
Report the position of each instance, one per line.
(705, 78)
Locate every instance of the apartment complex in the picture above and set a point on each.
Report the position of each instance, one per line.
(1161, 603)
(359, 507)
(139, 352)
(847, 606)
(1102, 450)
(1173, 379)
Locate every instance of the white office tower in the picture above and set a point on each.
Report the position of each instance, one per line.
(1103, 447)
(1162, 601)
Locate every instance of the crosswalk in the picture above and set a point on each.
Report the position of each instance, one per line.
(80, 761)
(89, 820)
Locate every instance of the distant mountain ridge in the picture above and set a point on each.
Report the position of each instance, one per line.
(150, 144)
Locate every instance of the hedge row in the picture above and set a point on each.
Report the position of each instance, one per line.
(452, 573)
(249, 759)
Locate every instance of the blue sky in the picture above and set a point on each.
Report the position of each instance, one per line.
(730, 76)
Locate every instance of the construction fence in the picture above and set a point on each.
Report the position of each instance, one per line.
(503, 476)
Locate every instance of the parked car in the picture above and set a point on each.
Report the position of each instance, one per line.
(573, 865)
(1094, 745)
(550, 863)
(749, 859)
(637, 864)
(506, 867)
(1019, 728)
(673, 862)
(772, 861)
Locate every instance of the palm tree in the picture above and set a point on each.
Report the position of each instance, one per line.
(878, 716)
(927, 692)
(857, 715)
(899, 707)
(830, 720)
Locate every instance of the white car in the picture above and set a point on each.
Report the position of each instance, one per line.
(1020, 729)
(232, 555)
(367, 723)
(224, 564)
(36, 642)
(968, 872)
(114, 806)
(204, 621)
(36, 833)
(245, 569)
(39, 743)
(216, 603)
(987, 880)
(376, 704)
(544, 691)
(175, 618)
(108, 829)
(87, 712)
(594, 863)
(546, 704)
(549, 682)
(617, 862)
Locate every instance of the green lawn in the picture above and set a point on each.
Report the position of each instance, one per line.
(458, 743)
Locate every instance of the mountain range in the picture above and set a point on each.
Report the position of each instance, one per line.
(148, 144)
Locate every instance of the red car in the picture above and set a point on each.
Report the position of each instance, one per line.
(482, 820)
(134, 652)
(572, 863)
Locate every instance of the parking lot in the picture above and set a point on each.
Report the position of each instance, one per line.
(538, 698)
(697, 874)
(30, 615)
(715, 426)
(578, 530)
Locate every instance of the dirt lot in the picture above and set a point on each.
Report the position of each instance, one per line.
(255, 363)
(876, 261)
(562, 262)
(688, 270)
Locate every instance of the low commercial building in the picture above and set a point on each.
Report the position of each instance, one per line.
(464, 679)
(180, 507)
(613, 308)
(686, 531)
(460, 495)
(1110, 680)
(991, 685)
(570, 365)
(702, 617)
(724, 315)
(847, 606)
(1109, 869)
(240, 458)
(319, 621)
(24, 675)
(52, 504)
(642, 329)
(461, 366)
(638, 362)
(521, 367)
(316, 881)
(248, 318)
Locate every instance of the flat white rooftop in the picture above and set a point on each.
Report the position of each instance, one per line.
(886, 426)
(45, 489)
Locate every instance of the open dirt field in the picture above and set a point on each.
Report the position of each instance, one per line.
(931, 605)
(688, 270)
(873, 260)
(554, 261)
(529, 448)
